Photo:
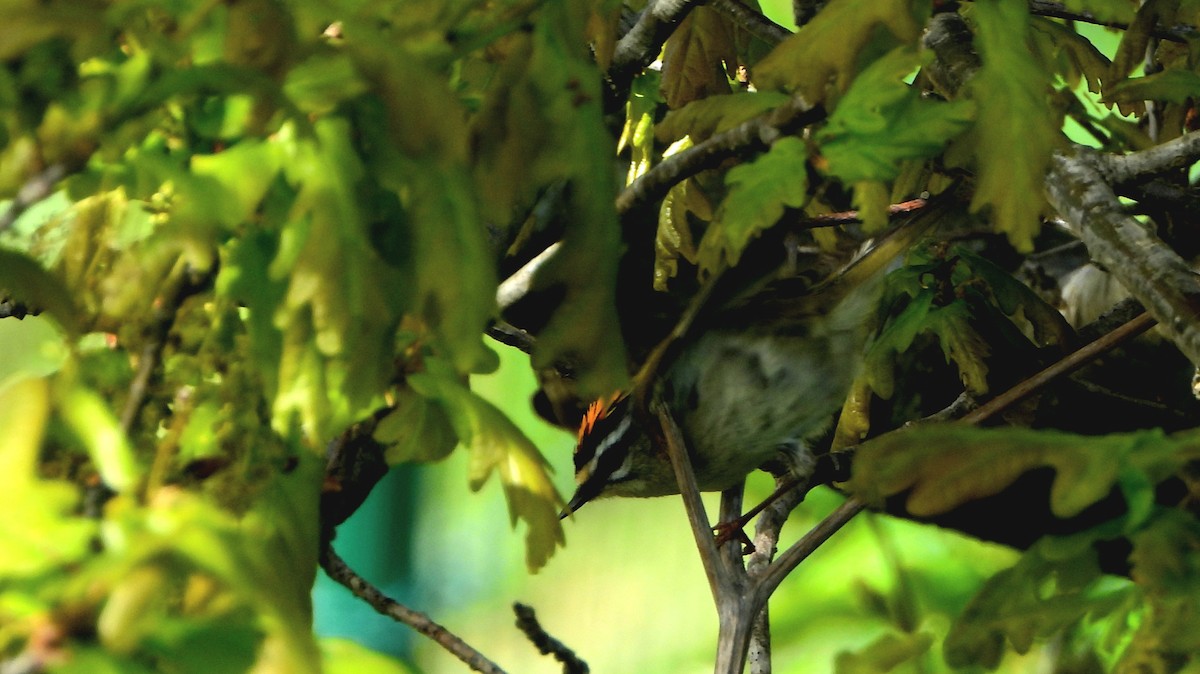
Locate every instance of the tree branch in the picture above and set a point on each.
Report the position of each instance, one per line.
(754, 22)
(1059, 11)
(1172, 155)
(528, 623)
(1069, 363)
(1153, 273)
(337, 569)
(755, 135)
(640, 46)
(35, 189)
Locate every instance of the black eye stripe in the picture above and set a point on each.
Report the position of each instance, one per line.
(601, 433)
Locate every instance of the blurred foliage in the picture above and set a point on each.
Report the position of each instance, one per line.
(243, 227)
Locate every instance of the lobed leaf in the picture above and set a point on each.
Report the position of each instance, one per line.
(946, 466)
(705, 117)
(699, 58)
(826, 52)
(882, 121)
(1173, 86)
(1015, 128)
(496, 445)
(759, 191)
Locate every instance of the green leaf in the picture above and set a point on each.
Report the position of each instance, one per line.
(699, 58)
(266, 558)
(684, 200)
(1045, 593)
(705, 117)
(1015, 128)
(341, 308)
(1132, 51)
(344, 656)
(1173, 86)
(496, 444)
(242, 173)
(827, 50)
(25, 281)
(584, 330)
(95, 424)
(882, 121)
(946, 466)
(33, 347)
(1165, 567)
(40, 530)
(322, 81)
(1075, 55)
(638, 133)
(759, 191)
(415, 430)
(884, 654)
(449, 240)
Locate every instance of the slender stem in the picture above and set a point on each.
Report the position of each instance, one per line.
(337, 569)
(1067, 364)
(804, 547)
(697, 516)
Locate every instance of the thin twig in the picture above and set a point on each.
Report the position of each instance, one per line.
(804, 547)
(182, 285)
(337, 569)
(850, 217)
(1067, 364)
(528, 623)
(1059, 11)
(37, 188)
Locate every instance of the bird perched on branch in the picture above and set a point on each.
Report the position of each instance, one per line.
(752, 385)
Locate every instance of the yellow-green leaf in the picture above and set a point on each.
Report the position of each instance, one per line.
(701, 119)
(40, 529)
(1015, 127)
(948, 465)
(415, 430)
(881, 121)
(698, 57)
(759, 191)
(96, 425)
(496, 445)
(826, 51)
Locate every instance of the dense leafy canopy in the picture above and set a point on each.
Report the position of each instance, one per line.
(248, 229)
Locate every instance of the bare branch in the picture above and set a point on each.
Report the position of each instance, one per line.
(754, 22)
(804, 547)
(752, 136)
(1153, 273)
(1069, 363)
(1172, 155)
(528, 623)
(697, 517)
(337, 569)
(1059, 11)
(640, 46)
(35, 189)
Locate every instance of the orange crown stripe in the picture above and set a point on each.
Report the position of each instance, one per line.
(595, 412)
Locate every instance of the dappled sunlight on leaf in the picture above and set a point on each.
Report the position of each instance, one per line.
(495, 445)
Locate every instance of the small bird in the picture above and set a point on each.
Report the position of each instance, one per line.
(759, 382)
